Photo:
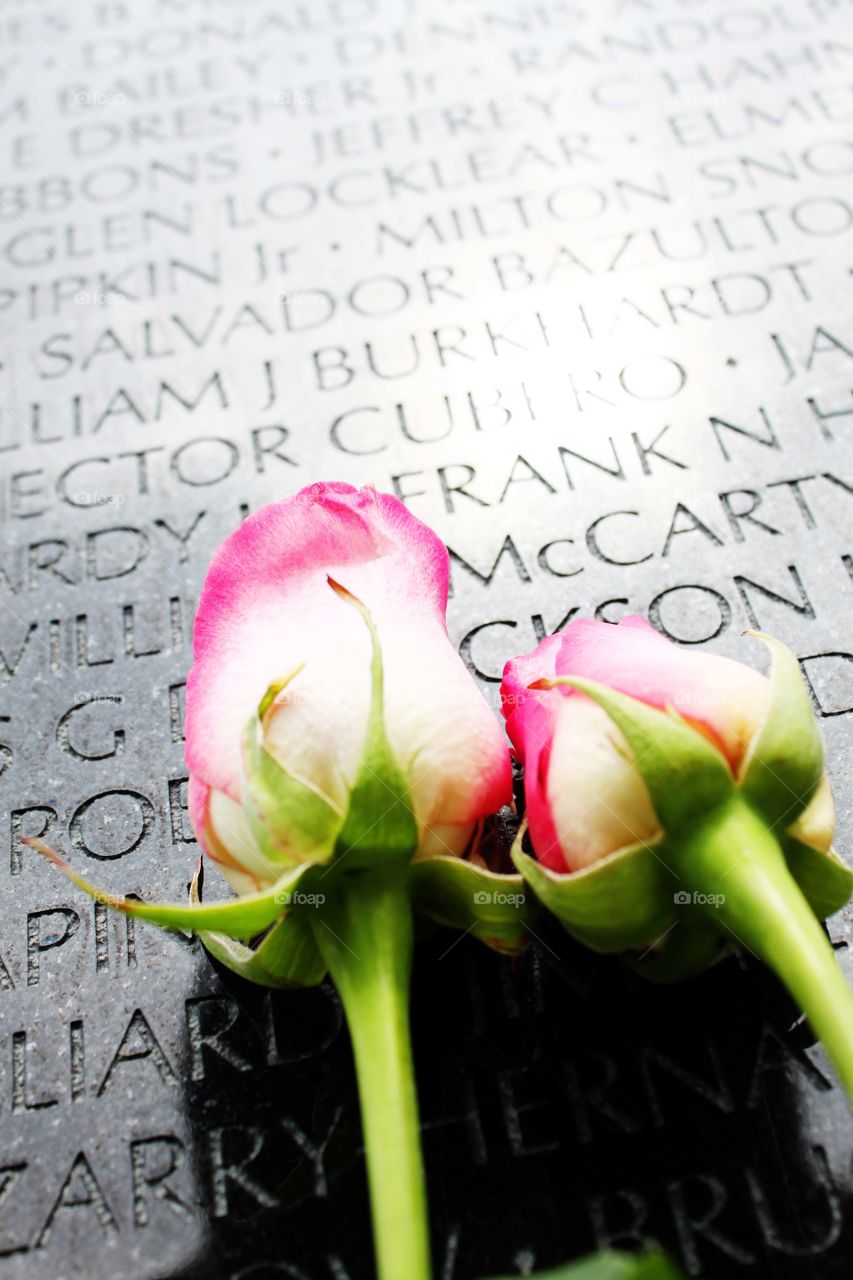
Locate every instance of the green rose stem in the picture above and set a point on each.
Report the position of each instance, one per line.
(734, 854)
(717, 839)
(364, 932)
(360, 926)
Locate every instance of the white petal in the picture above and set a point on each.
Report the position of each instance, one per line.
(599, 801)
(228, 828)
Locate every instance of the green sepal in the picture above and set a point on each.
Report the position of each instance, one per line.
(626, 904)
(243, 917)
(686, 776)
(622, 903)
(615, 1266)
(379, 825)
(283, 809)
(274, 689)
(687, 949)
(463, 895)
(824, 879)
(784, 764)
(286, 956)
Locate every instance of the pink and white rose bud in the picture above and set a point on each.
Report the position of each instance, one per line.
(585, 797)
(267, 615)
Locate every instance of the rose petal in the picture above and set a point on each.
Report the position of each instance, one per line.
(584, 798)
(596, 795)
(725, 699)
(266, 607)
(531, 716)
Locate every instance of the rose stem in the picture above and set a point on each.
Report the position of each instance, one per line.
(734, 854)
(364, 932)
